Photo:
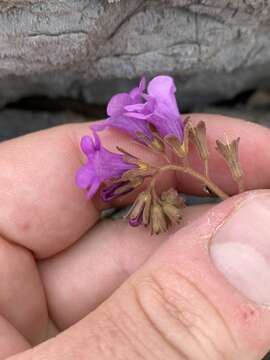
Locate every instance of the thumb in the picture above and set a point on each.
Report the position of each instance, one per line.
(207, 291)
(204, 295)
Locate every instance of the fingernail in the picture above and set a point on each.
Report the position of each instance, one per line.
(240, 248)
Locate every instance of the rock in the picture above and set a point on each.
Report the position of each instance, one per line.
(260, 99)
(91, 49)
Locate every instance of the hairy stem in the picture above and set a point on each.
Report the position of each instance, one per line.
(187, 170)
(206, 168)
(240, 184)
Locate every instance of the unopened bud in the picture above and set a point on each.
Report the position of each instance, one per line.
(157, 219)
(173, 213)
(140, 211)
(172, 197)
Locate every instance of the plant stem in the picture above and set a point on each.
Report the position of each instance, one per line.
(206, 168)
(187, 170)
(240, 184)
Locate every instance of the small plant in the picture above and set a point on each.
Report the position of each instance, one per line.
(153, 120)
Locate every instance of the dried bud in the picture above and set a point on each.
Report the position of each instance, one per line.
(172, 205)
(158, 221)
(120, 188)
(173, 213)
(229, 151)
(172, 197)
(140, 211)
(198, 137)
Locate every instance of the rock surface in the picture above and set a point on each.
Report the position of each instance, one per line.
(90, 49)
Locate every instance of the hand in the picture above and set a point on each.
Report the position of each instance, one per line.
(197, 293)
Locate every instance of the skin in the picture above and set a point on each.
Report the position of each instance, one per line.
(110, 295)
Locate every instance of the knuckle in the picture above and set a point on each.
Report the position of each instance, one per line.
(187, 320)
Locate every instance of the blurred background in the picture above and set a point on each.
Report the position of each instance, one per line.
(61, 61)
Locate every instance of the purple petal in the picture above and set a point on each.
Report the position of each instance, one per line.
(136, 115)
(162, 88)
(99, 127)
(134, 107)
(84, 177)
(117, 103)
(166, 116)
(136, 93)
(130, 125)
(87, 145)
(102, 165)
(97, 140)
(93, 189)
(142, 84)
(136, 221)
(109, 165)
(167, 125)
(150, 106)
(141, 111)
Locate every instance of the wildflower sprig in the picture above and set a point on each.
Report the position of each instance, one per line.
(153, 120)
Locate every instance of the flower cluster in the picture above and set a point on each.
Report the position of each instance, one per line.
(151, 117)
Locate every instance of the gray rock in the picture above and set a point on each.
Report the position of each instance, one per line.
(91, 49)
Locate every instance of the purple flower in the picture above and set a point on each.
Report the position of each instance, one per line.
(121, 109)
(118, 102)
(101, 165)
(166, 116)
(134, 111)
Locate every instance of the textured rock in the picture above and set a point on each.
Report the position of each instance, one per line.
(90, 49)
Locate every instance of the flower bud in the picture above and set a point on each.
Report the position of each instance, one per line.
(172, 197)
(158, 221)
(173, 213)
(140, 211)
